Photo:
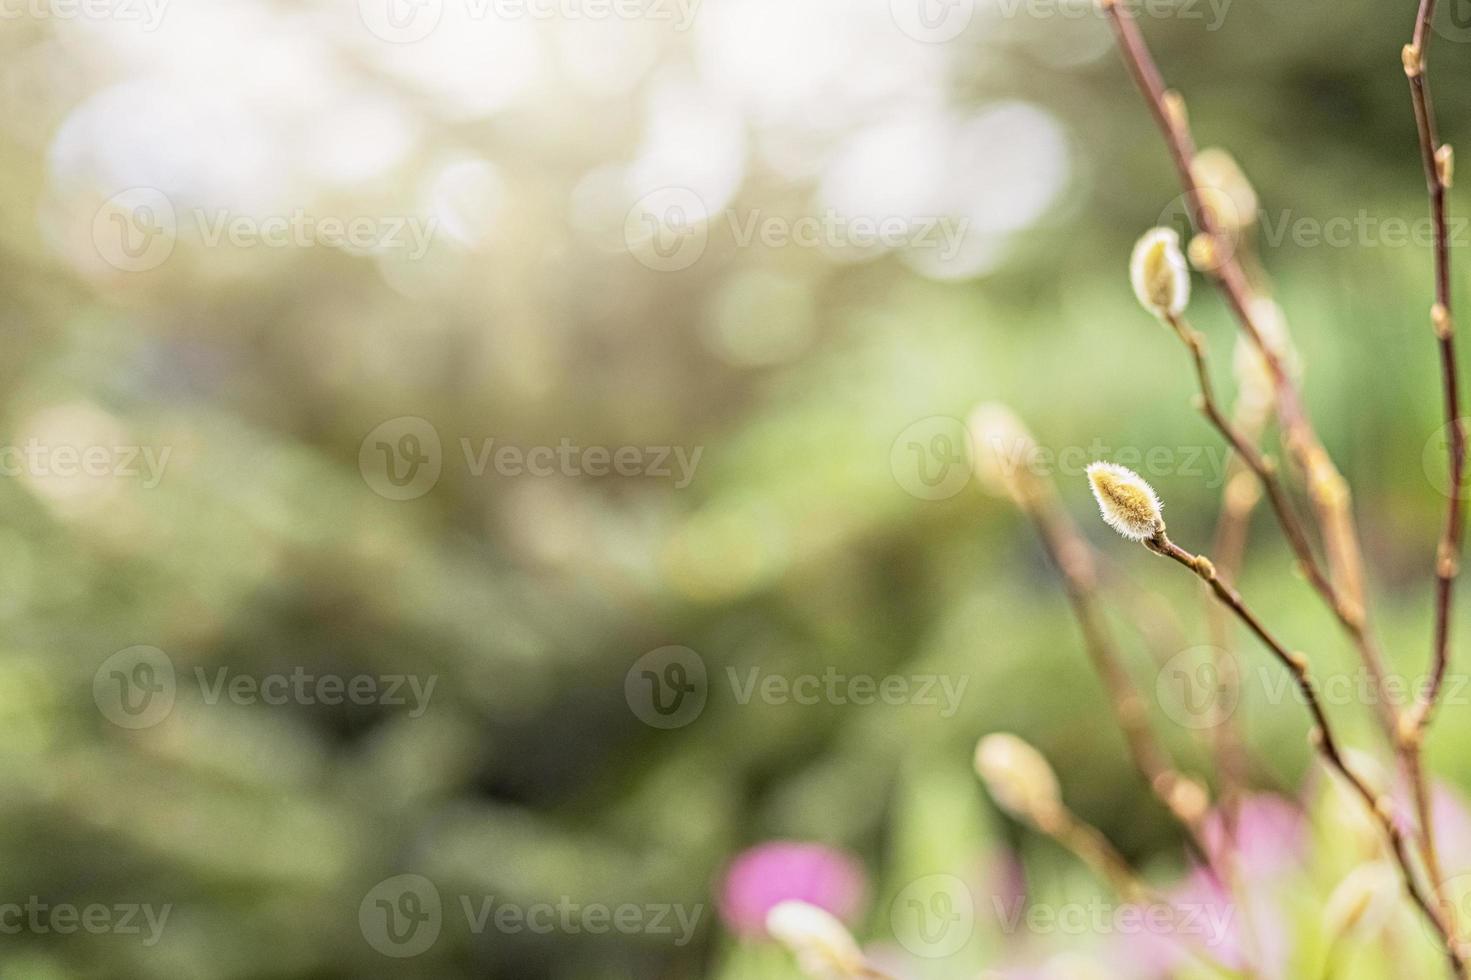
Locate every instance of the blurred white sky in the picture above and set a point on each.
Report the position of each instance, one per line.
(262, 108)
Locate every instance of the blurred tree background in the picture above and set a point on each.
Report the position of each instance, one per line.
(800, 544)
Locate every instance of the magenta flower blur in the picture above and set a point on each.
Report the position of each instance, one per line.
(1271, 835)
(781, 870)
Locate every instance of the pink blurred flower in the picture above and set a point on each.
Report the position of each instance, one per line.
(1452, 829)
(1209, 922)
(780, 870)
(1270, 835)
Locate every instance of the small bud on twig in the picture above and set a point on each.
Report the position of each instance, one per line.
(1440, 319)
(1019, 779)
(1445, 165)
(1174, 104)
(1225, 189)
(1158, 273)
(1203, 253)
(1128, 504)
(1414, 64)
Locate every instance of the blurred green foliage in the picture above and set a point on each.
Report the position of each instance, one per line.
(795, 549)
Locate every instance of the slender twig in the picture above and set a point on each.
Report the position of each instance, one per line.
(1184, 797)
(1239, 500)
(1323, 739)
(1076, 563)
(1263, 466)
(1437, 163)
(1327, 489)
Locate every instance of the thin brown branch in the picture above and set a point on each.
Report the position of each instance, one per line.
(1073, 557)
(1327, 489)
(1437, 162)
(1323, 738)
(1239, 501)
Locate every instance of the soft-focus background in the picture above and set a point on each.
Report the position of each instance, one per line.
(351, 349)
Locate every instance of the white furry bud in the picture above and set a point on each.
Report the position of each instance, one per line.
(1128, 504)
(1228, 193)
(823, 946)
(1159, 274)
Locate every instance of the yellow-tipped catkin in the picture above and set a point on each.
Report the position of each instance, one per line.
(1158, 273)
(1225, 189)
(1019, 778)
(823, 946)
(1255, 391)
(1002, 450)
(1128, 504)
